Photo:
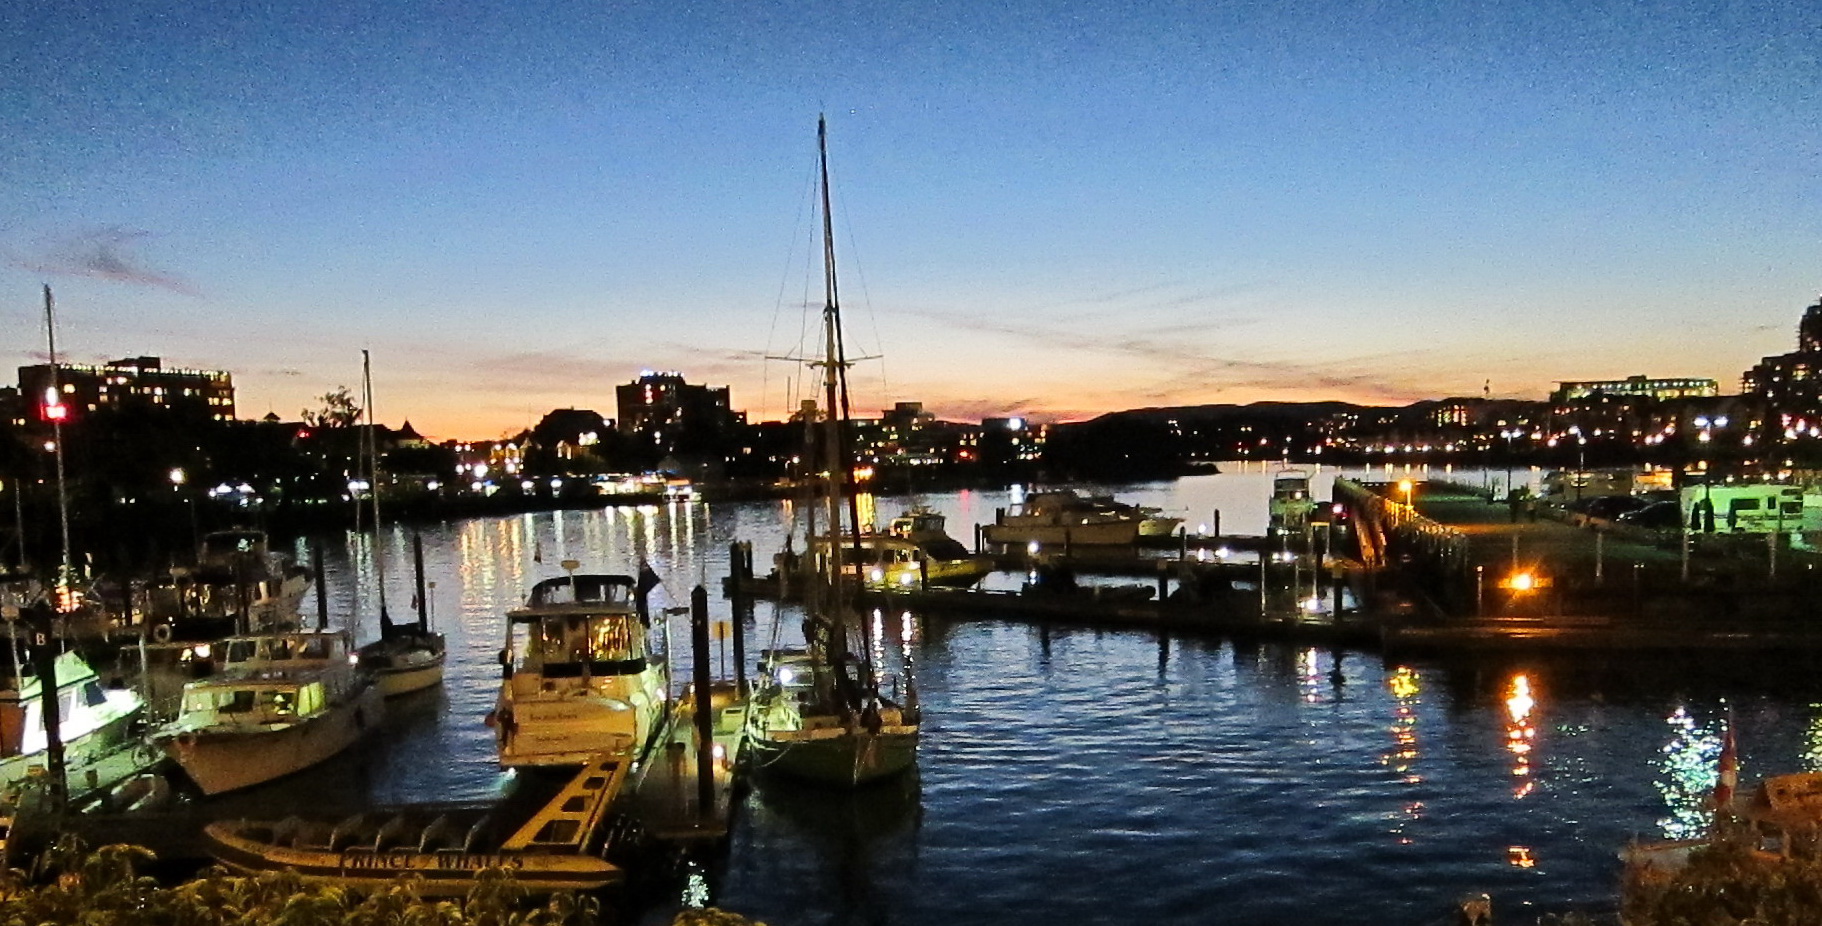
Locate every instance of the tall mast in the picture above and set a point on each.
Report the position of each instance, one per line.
(371, 448)
(66, 572)
(835, 388)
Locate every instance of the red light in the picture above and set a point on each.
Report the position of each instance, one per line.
(56, 412)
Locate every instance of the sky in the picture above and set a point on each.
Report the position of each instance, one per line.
(1044, 208)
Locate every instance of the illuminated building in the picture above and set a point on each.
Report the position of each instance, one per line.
(1640, 386)
(132, 381)
(1787, 384)
(667, 414)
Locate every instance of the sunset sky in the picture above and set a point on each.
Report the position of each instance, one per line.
(1043, 208)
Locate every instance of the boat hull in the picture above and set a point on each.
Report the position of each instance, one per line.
(442, 873)
(395, 682)
(220, 761)
(841, 758)
(405, 664)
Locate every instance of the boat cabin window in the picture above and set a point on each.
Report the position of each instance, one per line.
(242, 650)
(258, 704)
(92, 694)
(609, 644)
(281, 648)
(314, 648)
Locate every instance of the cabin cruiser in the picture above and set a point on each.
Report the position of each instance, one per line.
(1065, 516)
(586, 675)
(278, 703)
(914, 552)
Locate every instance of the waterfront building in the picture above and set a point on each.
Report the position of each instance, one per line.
(666, 414)
(133, 380)
(1788, 387)
(1636, 386)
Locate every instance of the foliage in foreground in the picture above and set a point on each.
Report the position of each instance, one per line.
(1724, 885)
(104, 888)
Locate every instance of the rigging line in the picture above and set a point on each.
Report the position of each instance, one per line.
(858, 269)
(783, 281)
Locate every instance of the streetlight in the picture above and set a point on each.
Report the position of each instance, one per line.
(178, 479)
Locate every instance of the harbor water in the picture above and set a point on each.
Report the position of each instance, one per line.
(1083, 776)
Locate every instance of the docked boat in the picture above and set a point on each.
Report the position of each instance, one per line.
(93, 720)
(586, 675)
(408, 657)
(559, 847)
(914, 552)
(1066, 517)
(238, 585)
(1291, 504)
(820, 713)
(278, 703)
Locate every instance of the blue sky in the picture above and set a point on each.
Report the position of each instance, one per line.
(1044, 208)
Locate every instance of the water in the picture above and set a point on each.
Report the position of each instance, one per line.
(1113, 777)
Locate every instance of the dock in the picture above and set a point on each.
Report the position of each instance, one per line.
(1424, 566)
(671, 801)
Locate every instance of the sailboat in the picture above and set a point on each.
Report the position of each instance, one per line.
(818, 713)
(407, 657)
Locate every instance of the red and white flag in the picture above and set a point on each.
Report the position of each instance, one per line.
(1728, 773)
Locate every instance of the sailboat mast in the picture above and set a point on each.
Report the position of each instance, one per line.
(371, 447)
(835, 387)
(66, 572)
(831, 372)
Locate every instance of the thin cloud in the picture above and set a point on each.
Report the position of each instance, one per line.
(104, 254)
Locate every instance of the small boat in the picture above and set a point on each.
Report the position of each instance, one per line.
(586, 675)
(92, 720)
(278, 703)
(797, 727)
(407, 657)
(558, 848)
(1066, 517)
(819, 713)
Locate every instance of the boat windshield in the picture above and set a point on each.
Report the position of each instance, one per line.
(609, 644)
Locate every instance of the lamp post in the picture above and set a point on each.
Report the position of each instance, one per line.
(178, 479)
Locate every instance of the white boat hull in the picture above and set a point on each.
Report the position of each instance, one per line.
(226, 760)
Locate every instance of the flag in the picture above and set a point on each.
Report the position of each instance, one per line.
(1728, 773)
(648, 579)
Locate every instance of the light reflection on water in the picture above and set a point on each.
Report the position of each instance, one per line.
(1074, 775)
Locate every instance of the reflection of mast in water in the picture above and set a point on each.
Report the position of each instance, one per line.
(1687, 776)
(1521, 733)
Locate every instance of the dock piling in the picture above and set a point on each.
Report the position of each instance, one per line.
(704, 707)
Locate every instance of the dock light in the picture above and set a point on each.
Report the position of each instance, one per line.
(877, 575)
(1521, 582)
(785, 675)
(1313, 605)
(1031, 549)
(1223, 553)
(905, 579)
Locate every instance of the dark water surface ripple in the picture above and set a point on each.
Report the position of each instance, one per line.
(1076, 776)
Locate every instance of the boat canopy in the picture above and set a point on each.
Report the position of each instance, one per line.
(614, 591)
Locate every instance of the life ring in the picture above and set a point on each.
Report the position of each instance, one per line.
(162, 633)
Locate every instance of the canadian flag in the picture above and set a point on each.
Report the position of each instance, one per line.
(1728, 774)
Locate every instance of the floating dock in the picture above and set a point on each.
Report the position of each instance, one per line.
(672, 802)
